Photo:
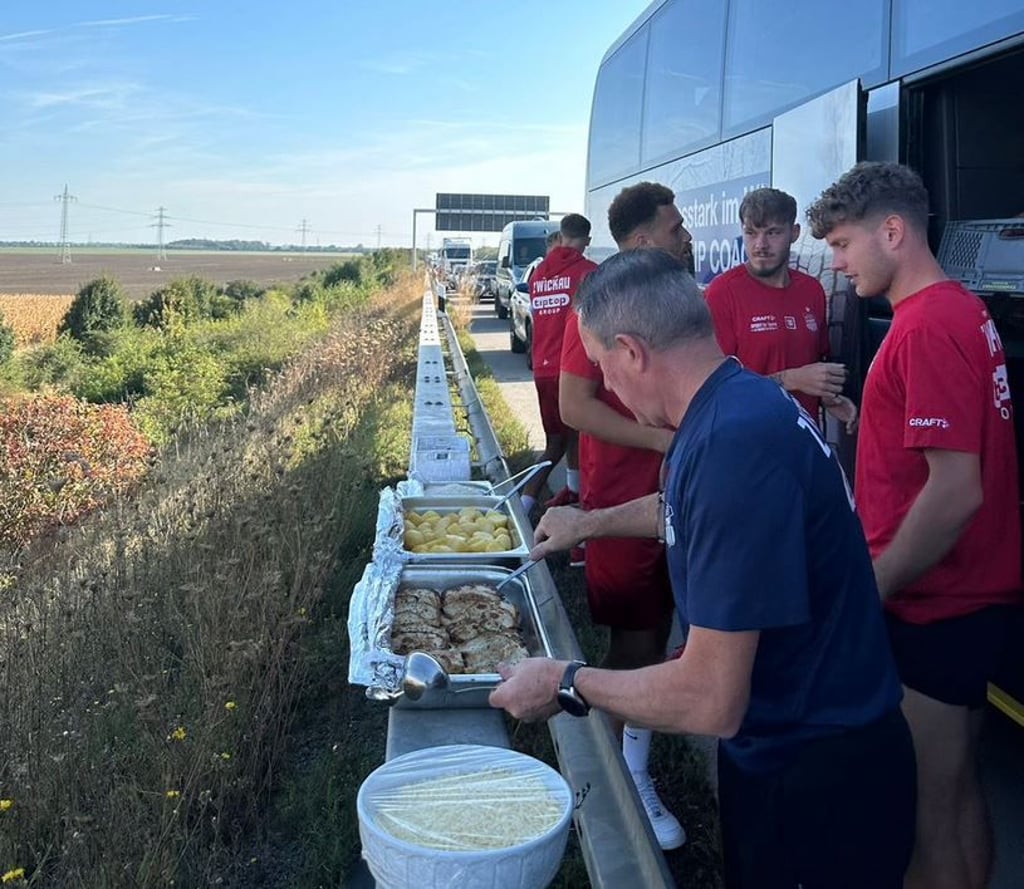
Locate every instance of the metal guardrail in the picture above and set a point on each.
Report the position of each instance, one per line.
(619, 846)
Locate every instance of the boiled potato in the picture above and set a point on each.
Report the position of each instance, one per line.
(499, 518)
(484, 525)
(414, 538)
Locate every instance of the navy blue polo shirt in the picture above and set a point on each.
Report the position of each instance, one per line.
(762, 535)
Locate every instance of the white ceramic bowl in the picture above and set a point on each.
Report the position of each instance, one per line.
(398, 863)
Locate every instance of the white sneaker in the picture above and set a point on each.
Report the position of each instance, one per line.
(666, 826)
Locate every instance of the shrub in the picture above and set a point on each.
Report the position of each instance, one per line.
(184, 301)
(184, 383)
(98, 308)
(120, 374)
(61, 458)
(58, 364)
(6, 340)
(240, 291)
(349, 270)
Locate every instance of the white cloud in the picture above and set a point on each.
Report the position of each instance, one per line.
(134, 20)
(22, 35)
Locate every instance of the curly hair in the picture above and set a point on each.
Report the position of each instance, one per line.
(871, 190)
(636, 205)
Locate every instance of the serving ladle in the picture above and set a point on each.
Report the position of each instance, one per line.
(422, 673)
(526, 474)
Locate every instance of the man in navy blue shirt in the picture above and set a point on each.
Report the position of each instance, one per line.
(786, 658)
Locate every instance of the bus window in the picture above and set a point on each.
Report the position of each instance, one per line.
(837, 41)
(929, 31)
(615, 119)
(684, 76)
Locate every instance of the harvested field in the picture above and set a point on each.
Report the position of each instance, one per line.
(139, 272)
(34, 317)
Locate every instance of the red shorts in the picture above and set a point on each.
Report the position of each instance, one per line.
(628, 587)
(550, 417)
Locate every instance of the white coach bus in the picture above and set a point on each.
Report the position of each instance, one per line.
(716, 97)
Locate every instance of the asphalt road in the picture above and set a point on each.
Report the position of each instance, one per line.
(491, 338)
(1002, 743)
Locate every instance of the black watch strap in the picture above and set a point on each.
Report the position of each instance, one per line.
(569, 699)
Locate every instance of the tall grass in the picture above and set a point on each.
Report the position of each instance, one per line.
(153, 657)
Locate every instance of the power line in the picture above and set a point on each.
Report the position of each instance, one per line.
(65, 246)
(363, 234)
(304, 229)
(114, 210)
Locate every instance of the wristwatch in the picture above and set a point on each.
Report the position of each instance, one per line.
(569, 699)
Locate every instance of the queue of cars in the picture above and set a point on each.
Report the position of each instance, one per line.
(521, 248)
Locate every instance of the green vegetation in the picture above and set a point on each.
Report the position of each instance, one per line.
(6, 341)
(157, 654)
(194, 351)
(98, 308)
(175, 704)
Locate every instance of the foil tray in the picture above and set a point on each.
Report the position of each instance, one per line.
(472, 690)
(444, 505)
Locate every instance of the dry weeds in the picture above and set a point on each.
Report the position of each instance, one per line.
(149, 656)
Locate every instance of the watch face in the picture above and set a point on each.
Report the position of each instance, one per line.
(571, 703)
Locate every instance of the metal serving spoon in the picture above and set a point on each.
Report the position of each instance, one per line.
(527, 475)
(423, 673)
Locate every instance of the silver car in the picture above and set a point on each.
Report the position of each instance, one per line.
(521, 316)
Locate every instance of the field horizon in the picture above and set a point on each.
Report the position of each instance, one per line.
(37, 270)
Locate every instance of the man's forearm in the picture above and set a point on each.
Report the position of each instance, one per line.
(705, 691)
(635, 518)
(595, 418)
(929, 531)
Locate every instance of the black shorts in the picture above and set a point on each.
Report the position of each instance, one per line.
(951, 660)
(840, 815)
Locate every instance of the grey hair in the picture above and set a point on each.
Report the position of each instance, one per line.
(646, 293)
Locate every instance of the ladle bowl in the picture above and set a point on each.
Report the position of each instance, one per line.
(422, 673)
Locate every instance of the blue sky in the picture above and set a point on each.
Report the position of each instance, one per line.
(244, 119)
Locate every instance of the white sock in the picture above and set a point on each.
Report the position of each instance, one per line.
(572, 480)
(636, 747)
(527, 502)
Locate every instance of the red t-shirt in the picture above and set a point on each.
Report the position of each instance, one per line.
(939, 382)
(552, 288)
(770, 328)
(609, 474)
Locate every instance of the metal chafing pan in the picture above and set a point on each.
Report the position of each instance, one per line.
(471, 690)
(444, 505)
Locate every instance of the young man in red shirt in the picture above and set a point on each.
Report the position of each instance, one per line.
(936, 487)
(553, 284)
(628, 587)
(773, 318)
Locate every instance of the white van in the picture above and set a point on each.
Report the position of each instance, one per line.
(521, 243)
